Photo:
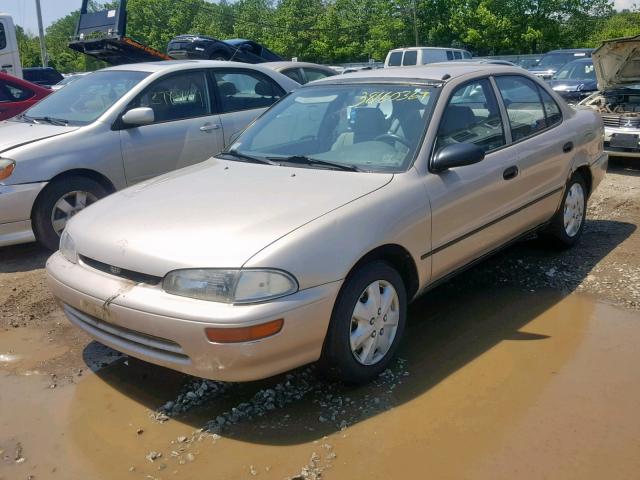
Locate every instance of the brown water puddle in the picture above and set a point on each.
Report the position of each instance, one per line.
(501, 384)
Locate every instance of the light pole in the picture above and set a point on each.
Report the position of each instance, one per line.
(43, 47)
(415, 22)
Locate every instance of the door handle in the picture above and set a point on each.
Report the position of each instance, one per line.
(511, 172)
(209, 126)
(567, 147)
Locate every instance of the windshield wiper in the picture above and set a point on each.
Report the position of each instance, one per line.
(246, 158)
(52, 120)
(304, 160)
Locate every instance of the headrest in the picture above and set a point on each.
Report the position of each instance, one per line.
(264, 89)
(227, 89)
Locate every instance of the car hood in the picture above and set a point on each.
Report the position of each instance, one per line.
(572, 85)
(215, 214)
(617, 62)
(15, 134)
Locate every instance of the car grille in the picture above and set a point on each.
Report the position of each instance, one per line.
(618, 121)
(121, 272)
(126, 338)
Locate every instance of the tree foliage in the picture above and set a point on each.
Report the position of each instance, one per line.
(332, 31)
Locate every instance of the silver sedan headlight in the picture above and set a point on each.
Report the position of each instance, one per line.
(68, 247)
(230, 286)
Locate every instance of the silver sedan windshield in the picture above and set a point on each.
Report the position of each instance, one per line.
(366, 127)
(82, 101)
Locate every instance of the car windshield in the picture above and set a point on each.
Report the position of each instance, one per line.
(576, 71)
(364, 127)
(82, 101)
(557, 60)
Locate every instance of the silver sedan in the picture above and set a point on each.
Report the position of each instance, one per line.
(306, 239)
(116, 127)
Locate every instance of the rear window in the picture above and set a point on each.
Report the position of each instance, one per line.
(410, 57)
(3, 37)
(395, 59)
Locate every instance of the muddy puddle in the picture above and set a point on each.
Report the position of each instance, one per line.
(491, 384)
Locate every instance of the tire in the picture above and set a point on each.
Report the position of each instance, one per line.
(49, 219)
(567, 225)
(344, 358)
(219, 56)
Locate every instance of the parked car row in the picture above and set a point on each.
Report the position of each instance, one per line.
(308, 236)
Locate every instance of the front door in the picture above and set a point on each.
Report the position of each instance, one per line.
(243, 95)
(468, 203)
(185, 130)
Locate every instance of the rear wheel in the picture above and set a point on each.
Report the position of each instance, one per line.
(567, 225)
(59, 202)
(366, 325)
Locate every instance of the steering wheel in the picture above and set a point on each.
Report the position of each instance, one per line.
(395, 138)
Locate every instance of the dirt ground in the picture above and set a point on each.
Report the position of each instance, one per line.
(523, 367)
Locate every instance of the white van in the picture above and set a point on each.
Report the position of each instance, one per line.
(404, 57)
(9, 54)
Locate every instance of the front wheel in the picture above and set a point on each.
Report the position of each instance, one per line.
(60, 201)
(366, 326)
(567, 225)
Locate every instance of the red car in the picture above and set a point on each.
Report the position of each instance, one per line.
(17, 95)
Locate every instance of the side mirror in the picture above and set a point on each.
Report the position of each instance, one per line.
(138, 116)
(457, 155)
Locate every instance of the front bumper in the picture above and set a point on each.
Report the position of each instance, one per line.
(16, 203)
(147, 323)
(609, 132)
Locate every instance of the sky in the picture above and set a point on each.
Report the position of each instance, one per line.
(24, 11)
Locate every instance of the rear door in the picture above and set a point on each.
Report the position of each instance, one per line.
(242, 95)
(185, 131)
(541, 142)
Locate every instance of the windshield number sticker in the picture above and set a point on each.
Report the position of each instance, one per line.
(378, 97)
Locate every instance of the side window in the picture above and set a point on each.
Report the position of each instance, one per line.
(294, 74)
(315, 74)
(3, 37)
(466, 54)
(410, 57)
(524, 108)
(18, 93)
(551, 109)
(395, 59)
(176, 97)
(472, 116)
(245, 90)
(449, 55)
(457, 55)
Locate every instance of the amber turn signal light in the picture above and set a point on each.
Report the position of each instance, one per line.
(244, 334)
(6, 168)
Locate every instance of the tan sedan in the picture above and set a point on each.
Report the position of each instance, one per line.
(307, 238)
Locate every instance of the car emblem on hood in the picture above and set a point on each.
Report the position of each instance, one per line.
(628, 123)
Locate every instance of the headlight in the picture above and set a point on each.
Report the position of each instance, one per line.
(68, 247)
(6, 168)
(230, 286)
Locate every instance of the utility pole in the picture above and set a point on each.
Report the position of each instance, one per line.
(415, 22)
(43, 47)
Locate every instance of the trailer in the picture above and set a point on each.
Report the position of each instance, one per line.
(102, 35)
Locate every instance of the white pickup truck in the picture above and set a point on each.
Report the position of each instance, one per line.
(9, 54)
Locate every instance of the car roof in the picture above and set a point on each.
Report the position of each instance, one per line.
(177, 65)
(285, 64)
(430, 48)
(570, 50)
(434, 72)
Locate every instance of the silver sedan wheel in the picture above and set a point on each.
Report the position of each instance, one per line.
(573, 210)
(67, 206)
(374, 322)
